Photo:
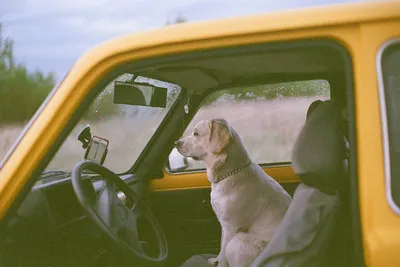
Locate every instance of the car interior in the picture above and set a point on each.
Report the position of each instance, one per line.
(54, 222)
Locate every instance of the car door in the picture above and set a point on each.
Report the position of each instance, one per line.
(378, 116)
(268, 125)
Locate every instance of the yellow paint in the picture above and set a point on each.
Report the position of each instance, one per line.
(199, 179)
(381, 226)
(360, 27)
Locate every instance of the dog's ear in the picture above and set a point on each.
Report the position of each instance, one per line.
(220, 135)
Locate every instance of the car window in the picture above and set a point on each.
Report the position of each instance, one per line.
(268, 117)
(127, 128)
(390, 63)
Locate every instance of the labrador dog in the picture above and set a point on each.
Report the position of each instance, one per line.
(248, 203)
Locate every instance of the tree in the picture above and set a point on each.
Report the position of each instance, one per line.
(178, 19)
(21, 92)
(6, 57)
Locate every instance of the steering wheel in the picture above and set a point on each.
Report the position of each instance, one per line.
(118, 221)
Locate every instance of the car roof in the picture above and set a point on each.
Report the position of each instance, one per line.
(314, 17)
(325, 15)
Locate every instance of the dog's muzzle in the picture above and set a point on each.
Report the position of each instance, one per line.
(178, 143)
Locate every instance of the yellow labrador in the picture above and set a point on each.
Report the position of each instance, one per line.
(248, 203)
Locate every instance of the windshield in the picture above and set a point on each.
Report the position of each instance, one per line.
(127, 128)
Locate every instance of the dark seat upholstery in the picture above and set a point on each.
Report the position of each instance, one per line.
(309, 226)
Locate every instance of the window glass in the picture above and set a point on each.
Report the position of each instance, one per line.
(391, 78)
(128, 128)
(267, 117)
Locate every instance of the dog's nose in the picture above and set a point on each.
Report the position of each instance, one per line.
(177, 143)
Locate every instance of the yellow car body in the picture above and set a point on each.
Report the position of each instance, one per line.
(362, 28)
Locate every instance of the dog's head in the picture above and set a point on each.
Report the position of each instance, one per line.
(209, 137)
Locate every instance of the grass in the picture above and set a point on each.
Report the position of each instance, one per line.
(268, 129)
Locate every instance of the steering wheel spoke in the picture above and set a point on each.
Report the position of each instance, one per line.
(108, 206)
(137, 210)
(129, 231)
(121, 220)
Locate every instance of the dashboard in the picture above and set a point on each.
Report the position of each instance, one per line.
(62, 203)
(53, 193)
(50, 226)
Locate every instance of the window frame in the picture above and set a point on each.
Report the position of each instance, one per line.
(99, 91)
(214, 90)
(384, 124)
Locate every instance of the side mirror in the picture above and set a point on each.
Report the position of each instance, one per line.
(177, 162)
(139, 94)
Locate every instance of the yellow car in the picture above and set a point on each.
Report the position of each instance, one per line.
(94, 179)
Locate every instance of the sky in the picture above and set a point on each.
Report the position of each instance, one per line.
(50, 35)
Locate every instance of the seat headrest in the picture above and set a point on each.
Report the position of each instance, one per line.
(319, 153)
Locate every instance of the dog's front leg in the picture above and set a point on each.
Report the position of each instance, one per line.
(220, 260)
(228, 233)
(215, 261)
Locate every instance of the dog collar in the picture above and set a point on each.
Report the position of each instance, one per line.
(220, 178)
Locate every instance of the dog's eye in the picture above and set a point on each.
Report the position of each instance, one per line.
(195, 134)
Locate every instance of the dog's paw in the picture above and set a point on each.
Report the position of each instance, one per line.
(213, 261)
